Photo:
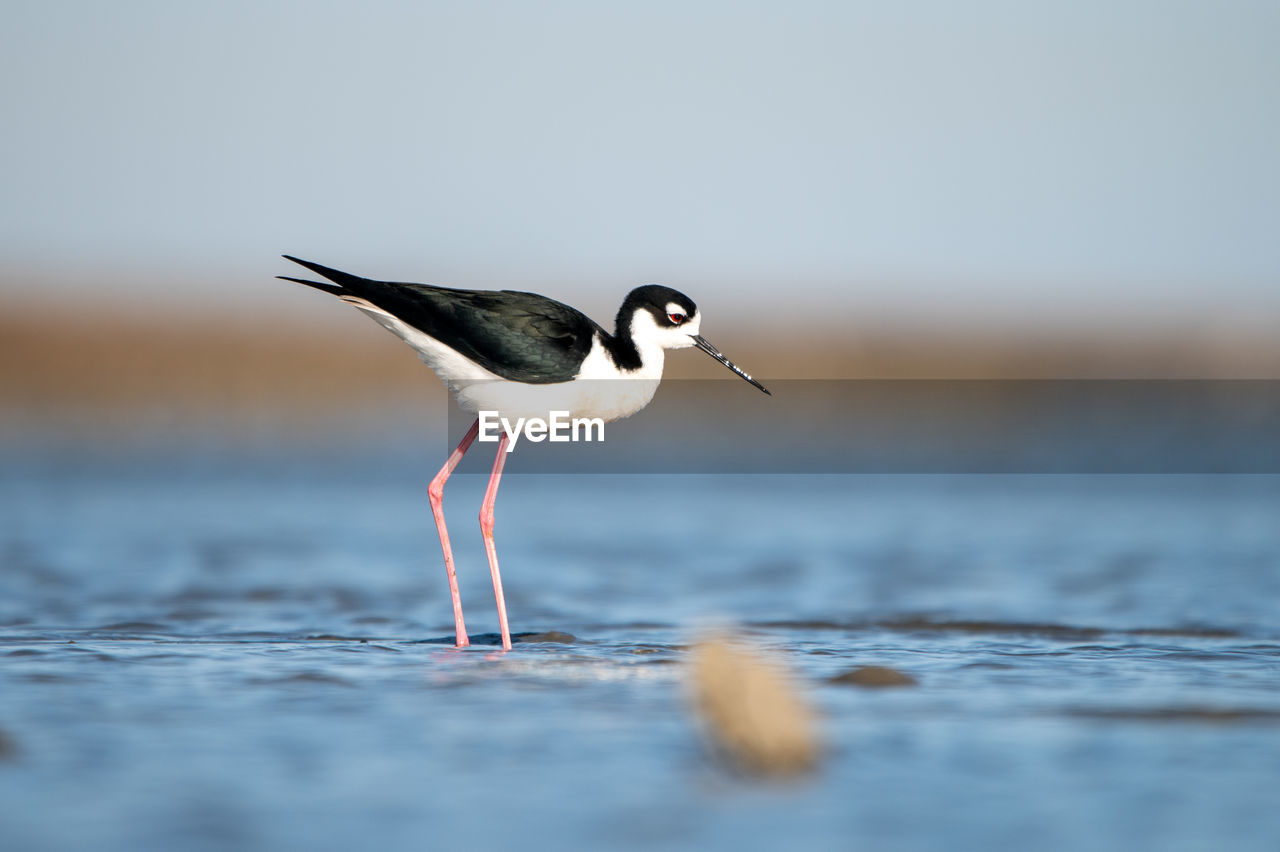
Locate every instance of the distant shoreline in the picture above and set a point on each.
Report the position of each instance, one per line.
(58, 357)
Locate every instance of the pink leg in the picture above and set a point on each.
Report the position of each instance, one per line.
(486, 527)
(436, 493)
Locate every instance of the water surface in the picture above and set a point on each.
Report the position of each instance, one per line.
(255, 656)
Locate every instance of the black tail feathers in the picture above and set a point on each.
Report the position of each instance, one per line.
(341, 280)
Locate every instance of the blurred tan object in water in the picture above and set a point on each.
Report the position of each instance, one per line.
(751, 710)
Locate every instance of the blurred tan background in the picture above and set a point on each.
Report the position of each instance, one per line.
(848, 191)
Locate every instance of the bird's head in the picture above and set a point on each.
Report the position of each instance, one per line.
(659, 316)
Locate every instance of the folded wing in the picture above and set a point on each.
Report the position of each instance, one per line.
(522, 337)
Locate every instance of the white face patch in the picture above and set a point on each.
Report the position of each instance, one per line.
(651, 336)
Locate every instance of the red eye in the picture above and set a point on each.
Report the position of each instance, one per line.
(676, 319)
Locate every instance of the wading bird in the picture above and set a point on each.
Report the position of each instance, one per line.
(521, 354)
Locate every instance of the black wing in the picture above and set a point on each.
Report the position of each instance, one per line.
(523, 337)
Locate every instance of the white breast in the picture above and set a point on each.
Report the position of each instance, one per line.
(599, 389)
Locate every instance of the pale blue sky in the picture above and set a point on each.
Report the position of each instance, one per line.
(1005, 158)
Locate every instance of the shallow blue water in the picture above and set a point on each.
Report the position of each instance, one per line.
(232, 656)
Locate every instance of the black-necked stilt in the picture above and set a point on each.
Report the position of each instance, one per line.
(521, 354)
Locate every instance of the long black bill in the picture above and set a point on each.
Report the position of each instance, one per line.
(703, 344)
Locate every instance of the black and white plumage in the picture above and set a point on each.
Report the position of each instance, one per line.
(524, 355)
(496, 350)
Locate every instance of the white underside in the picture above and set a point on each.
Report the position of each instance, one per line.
(600, 389)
